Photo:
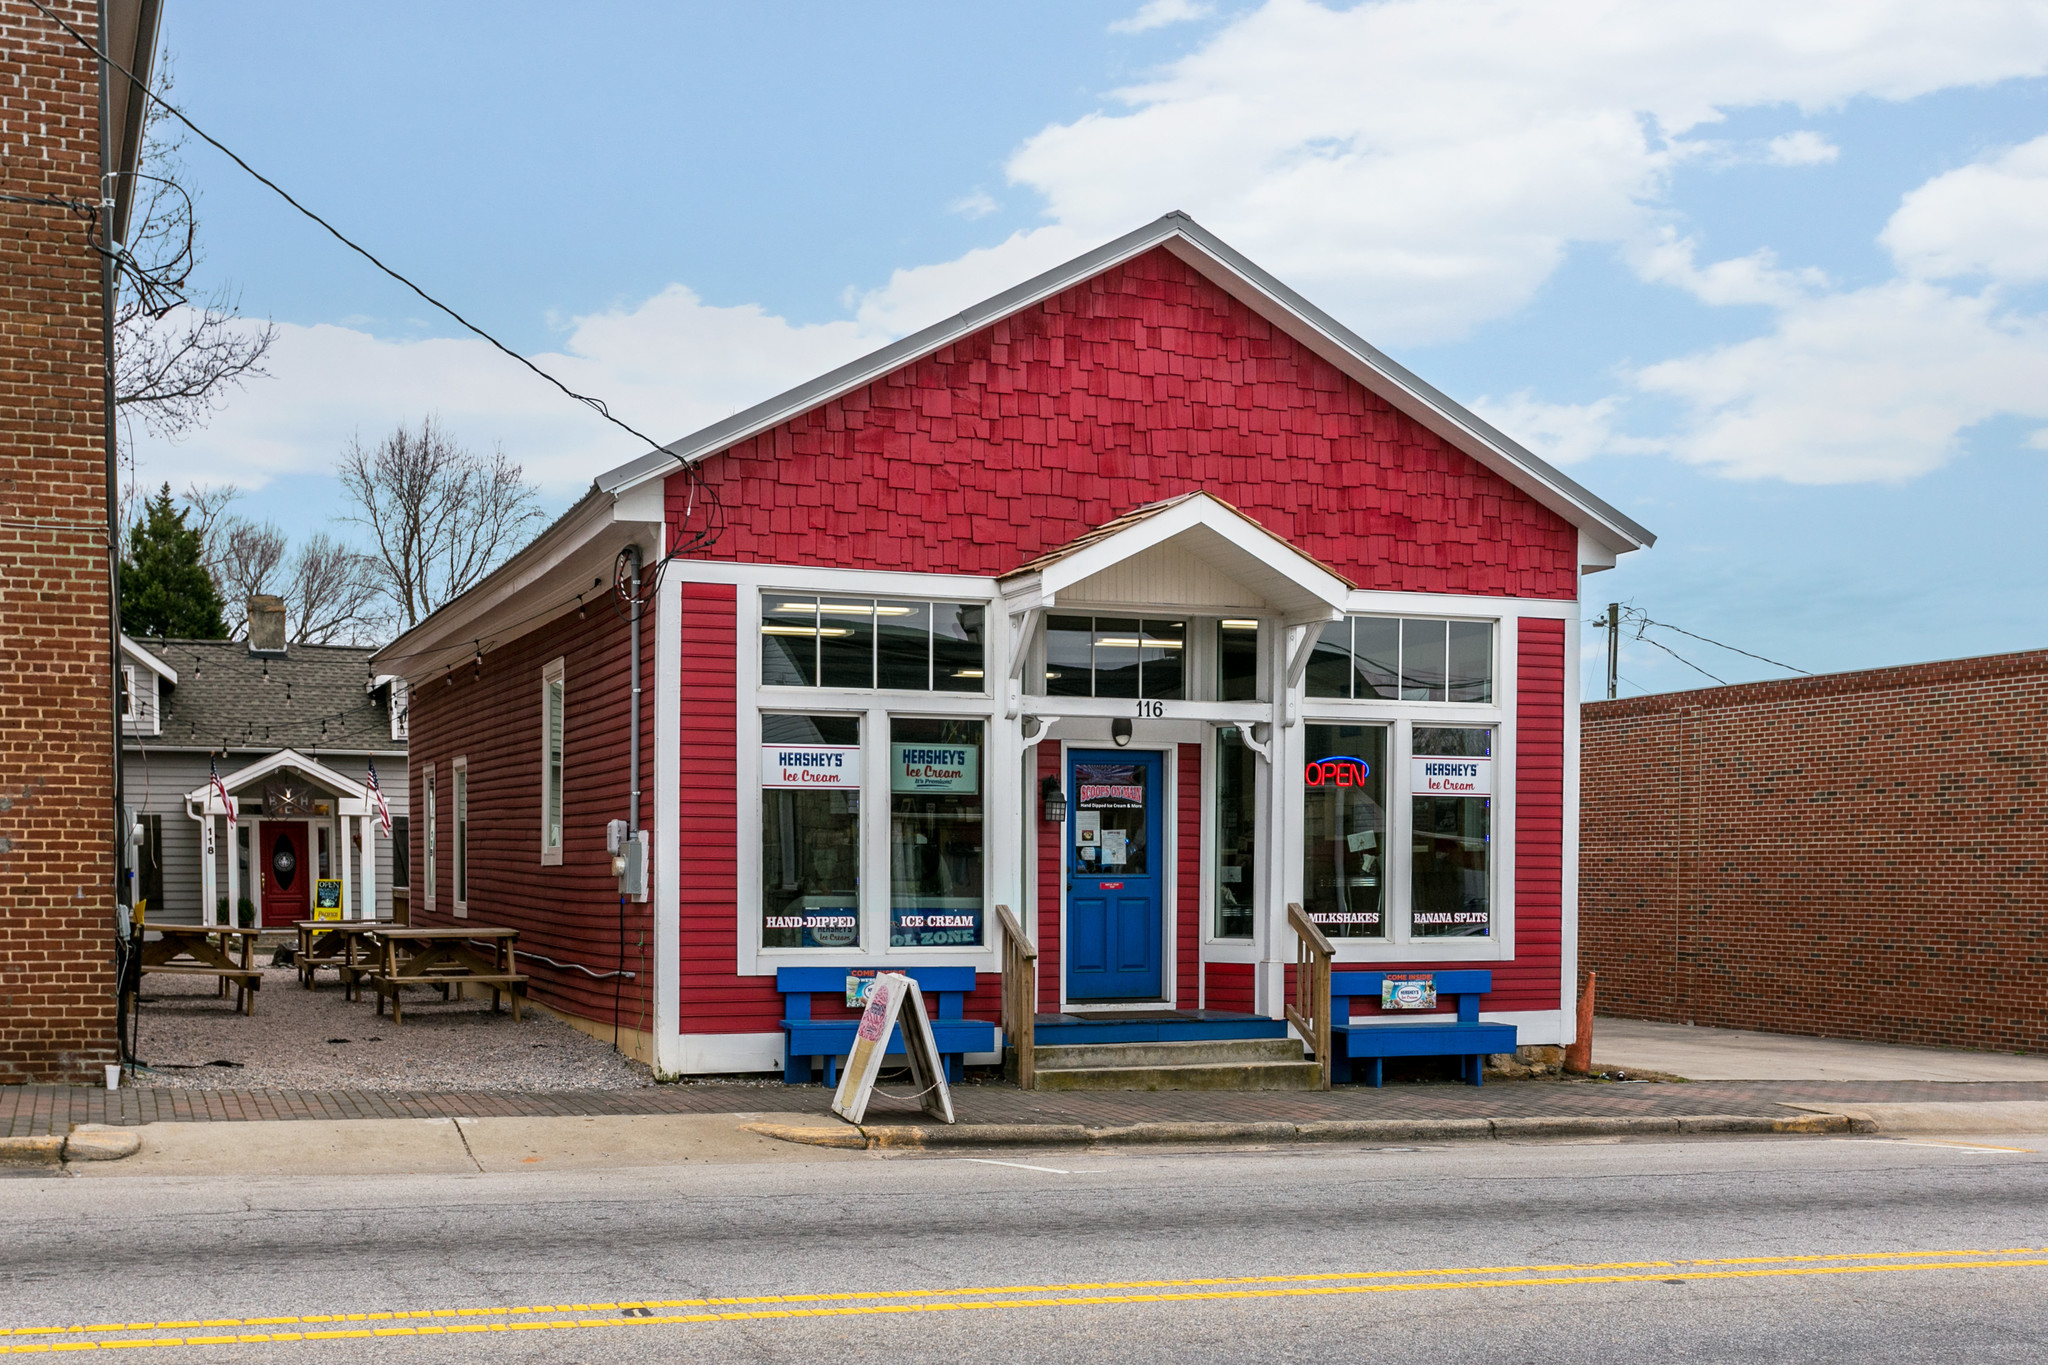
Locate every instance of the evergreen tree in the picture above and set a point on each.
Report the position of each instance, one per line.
(165, 589)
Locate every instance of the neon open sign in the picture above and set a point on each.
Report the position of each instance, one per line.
(1339, 771)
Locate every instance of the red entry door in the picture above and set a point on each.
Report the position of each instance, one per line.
(287, 873)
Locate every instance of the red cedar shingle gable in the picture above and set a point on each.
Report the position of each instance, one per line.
(1141, 384)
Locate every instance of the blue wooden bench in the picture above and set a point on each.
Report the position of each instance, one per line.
(809, 1041)
(1388, 1035)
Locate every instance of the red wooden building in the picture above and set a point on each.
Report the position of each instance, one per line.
(1144, 599)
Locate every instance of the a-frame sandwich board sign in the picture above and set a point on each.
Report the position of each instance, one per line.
(887, 1008)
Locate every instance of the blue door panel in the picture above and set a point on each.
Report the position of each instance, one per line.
(1115, 913)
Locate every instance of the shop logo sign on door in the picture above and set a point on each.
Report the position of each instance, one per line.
(1115, 870)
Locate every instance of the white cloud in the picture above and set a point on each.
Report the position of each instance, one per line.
(1984, 219)
(1870, 384)
(1752, 279)
(1161, 13)
(1422, 166)
(1803, 148)
(667, 367)
(1562, 433)
(979, 204)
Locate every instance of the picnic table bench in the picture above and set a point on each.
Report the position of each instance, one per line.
(809, 1041)
(341, 944)
(190, 950)
(444, 957)
(1374, 1040)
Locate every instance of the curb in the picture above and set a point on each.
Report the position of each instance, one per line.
(87, 1142)
(920, 1137)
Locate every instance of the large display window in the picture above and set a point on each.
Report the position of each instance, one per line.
(936, 829)
(1450, 874)
(1237, 817)
(810, 831)
(1344, 830)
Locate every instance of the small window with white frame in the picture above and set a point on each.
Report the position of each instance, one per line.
(553, 721)
(1403, 658)
(131, 706)
(458, 801)
(866, 643)
(430, 835)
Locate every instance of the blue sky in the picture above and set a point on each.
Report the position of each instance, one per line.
(1769, 278)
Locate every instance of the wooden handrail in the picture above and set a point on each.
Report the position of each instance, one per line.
(1310, 1010)
(1020, 995)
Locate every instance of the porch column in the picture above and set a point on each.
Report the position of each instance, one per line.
(368, 908)
(342, 855)
(206, 869)
(234, 873)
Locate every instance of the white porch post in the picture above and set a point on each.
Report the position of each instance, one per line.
(367, 909)
(234, 872)
(342, 855)
(206, 868)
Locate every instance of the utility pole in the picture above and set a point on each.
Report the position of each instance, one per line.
(1613, 646)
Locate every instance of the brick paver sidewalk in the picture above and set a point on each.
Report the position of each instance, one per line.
(33, 1110)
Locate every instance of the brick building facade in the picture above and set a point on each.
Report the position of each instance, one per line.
(57, 760)
(1857, 855)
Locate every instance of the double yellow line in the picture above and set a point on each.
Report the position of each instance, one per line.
(855, 1303)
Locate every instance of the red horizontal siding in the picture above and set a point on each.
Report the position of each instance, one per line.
(1142, 383)
(1188, 901)
(1050, 870)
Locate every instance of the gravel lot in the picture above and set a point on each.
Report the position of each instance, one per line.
(315, 1040)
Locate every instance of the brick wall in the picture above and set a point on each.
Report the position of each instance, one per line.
(1859, 855)
(56, 734)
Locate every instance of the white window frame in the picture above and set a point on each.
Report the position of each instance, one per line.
(131, 708)
(554, 768)
(458, 811)
(401, 711)
(430, 841)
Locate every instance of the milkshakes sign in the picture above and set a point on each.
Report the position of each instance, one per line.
(817, 766)
(950, 768)
(1452, 776)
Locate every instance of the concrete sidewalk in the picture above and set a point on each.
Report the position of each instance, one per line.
(1718, 1054)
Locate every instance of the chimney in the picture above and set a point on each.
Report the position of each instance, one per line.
(266, 624)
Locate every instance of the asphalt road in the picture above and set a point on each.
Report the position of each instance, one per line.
(1745, 1249)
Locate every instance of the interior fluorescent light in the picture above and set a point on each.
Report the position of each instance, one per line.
(848, 608)
(1240, 625)
(827, 631)
(967, 673)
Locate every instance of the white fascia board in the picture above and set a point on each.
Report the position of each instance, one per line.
(574, 556)
(148, 660)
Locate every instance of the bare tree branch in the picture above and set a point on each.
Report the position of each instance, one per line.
(333, 594)
(441, 516)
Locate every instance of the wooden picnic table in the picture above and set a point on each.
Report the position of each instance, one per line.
(343, 944)
(190, 950)
(444, 957)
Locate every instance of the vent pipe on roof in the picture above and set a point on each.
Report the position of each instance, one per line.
(266, 624)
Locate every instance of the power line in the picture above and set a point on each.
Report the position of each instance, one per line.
(1731, 648)
(714, 523)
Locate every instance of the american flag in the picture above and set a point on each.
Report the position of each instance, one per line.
(383, 806)
(220, 789)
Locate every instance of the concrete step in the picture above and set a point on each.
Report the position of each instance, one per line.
(1212, 1076)
(1081, 1056)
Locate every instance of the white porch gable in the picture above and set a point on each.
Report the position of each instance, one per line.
(351, 796)
(351, 803)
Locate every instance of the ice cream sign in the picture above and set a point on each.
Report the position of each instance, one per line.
(952, 768)
(1453, 776)
(811, 765)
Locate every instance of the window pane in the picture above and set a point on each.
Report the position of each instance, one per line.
(1236, 785)
(1422, 660)
(1116, 656)
(1471, 673)
(1237, 652)
(461, 834)
(1110, 801)
(959, 651)
(1069, 643)
(1343, 874)
(1329, 667)
(1376, 657)
(1450, 893)
(935, 833)
(401, 851)
(1162, 669)
(846, 642)
(553, 793)
(810, 835)
(903, 645)
(789, 641)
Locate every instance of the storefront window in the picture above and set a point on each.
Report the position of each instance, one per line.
(1237, 660)
(810, 831)
(863, 642)
(1236, 817)
(1344, 832)
(935, 833)
(1366, 658)
(1452, 781)
(1114, 656)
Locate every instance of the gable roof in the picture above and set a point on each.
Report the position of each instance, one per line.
(148, 660)
(311, 698)
(1245, 281)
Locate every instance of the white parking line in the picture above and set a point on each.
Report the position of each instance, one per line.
(1022, 1166)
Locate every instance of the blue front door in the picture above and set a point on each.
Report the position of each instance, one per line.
(1116, 869)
